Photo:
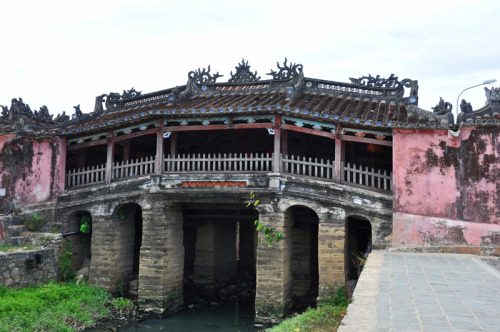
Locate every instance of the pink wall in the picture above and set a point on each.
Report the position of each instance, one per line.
(422, 231)
(32, 171)
(439, 175)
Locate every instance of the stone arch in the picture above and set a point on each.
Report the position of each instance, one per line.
(302, 223)
(81, 242)
(358, 244)
(128, 231)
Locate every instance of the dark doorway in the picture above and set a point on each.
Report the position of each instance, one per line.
(358, 244)
(304, 263)
(129, 231)
(219, 253)
(80, 238)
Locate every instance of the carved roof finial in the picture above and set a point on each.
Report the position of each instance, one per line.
(203, 76)
(243, 74)
(287, 71)
(442, 107)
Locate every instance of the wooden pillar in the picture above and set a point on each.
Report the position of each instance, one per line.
(159, 152)
(126, 150)
(277, 145)
(284, 142)
(339, 154)
(173, 143)
(109, 158)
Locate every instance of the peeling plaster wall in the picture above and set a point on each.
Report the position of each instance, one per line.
(438, 175)
(32, 171)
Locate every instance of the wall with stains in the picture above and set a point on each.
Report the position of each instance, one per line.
(451, 176)
(31, 170)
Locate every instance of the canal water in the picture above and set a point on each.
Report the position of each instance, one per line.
(227, 317)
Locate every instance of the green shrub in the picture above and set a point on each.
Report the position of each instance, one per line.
(122, 304)
(66, 271)
(327, 317)
(52, 307)
(35, 222)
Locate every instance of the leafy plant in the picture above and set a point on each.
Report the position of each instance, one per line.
(269, 233)
(66, 271)
(326, 317)
(85, 227)
(35, 222)
(359, 259)
(121, 213)
(121, 289)
(122, 304)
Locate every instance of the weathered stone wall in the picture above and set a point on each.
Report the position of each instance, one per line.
(274, 289)
(32, 171)
(15, 273)
(162, 258)
(455, 178)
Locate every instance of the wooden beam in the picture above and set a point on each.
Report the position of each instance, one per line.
(365, 140)
(86, 145)
(137, 134)
(308, 131)
(219, 127)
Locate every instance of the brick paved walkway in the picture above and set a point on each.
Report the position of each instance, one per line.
(425, 292)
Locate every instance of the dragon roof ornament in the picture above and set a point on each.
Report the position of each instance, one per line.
(388, 83)
(286, 72)
(442, 107)
(203, 76)
(492, 94)
(243, 74)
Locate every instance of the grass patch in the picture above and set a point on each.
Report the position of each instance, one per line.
(52, 307)
(10, 248)
(325, 318)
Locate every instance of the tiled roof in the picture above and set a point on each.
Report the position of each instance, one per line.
(369, 102)
(487, 116)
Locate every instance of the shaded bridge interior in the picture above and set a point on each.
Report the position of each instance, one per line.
(220, 244)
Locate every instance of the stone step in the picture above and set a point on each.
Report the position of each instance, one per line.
(17, 230)
(15, 241)
(15, 221)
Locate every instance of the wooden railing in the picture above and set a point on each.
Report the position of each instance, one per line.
(86, 175)
(219, 163)
(308, 167)
(364, 177)
(235, 163)
(129, 168)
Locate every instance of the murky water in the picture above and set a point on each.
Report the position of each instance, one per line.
(230, 317)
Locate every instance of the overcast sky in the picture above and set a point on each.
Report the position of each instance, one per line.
(64, 53)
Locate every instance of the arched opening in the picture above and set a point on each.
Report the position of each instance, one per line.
(358, 244)
(219, 253)
(79, 233)
(129, 231)
(304, 256)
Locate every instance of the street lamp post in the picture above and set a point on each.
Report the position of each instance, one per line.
(484, 83)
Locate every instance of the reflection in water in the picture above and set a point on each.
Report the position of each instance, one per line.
(230, 317)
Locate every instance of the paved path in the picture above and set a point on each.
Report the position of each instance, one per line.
(425, 292)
